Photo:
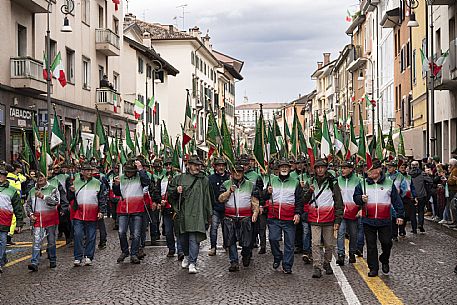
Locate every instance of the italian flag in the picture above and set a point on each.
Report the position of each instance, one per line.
(56, 135)
(194, 121)
(138, 110)
(188, 129)
(58, 71)
(326, 142)
(352, 145)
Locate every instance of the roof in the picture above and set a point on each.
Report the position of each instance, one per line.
(152, 54)
(342, 57)
(322, 69)
(232, 71)
(236, 63)
(256, 106)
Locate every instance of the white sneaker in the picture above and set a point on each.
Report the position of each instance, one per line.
(185, 263)
(192, 269)
(87, 262)
(77, 263)
(443, 222)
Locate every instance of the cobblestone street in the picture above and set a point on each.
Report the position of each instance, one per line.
(421, 272)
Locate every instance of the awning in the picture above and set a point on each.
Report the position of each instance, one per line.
(391, 18)
(357, 21)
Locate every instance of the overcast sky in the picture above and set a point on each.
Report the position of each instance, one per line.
(280, 41)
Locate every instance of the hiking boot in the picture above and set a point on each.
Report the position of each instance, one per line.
(192, 269)
(9, 241)
(307, 259)
(262, 251)
(359, 253)
(340, 260)
(234, 267)
(373, 273)
(328, 269)
(171, 253)
(134, 260)
(141, 253)
(180, 257)
(246, 261)
(317, 273)
(421, 229)
(212, 252)
(52, 265)
(102, 245)
(122, 257)
(352, 258)
(32, 267)
(276, 265)
(385, 268)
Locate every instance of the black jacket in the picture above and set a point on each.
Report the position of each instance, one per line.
(215, 182)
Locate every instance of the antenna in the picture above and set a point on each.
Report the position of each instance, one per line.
(183, 14)
(127, 7)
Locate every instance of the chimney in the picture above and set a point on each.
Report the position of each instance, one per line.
(147, 39)
(326, 58)
(128, 18)
(195, 32)
(319, 65)
(171, 28)
(206, 40)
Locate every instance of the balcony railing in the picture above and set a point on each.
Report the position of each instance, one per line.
(26, 67)
(107, 36)
(108, 99)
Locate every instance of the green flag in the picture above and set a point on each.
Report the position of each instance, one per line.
(137, 145)
(326, 141)
(362, 153)
(175, 158)
(317, 129)
(259, 142)
(128, 140)
(401, 145)
(166, 140)
(273, 146)
(56, 135)
(226, 138)
(340, 150)
(213, 137)
(390, 148)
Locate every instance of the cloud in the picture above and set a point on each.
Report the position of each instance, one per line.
(280, 42)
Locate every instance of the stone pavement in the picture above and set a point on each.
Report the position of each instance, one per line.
(421, 273)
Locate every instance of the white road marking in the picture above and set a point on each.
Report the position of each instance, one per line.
(422, 250)
(348, 292)
(439, 262)
(412, 243)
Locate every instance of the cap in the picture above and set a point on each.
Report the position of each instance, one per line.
(283, 161)
(86, 166)
(321, 162)
(238, 166)
(167, 161)
(376, 164)
(219, 160)
(194, 159)
(392, 163)
(157, 162)
(347, 164)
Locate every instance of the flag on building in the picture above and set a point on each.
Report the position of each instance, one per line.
(58, 70)
(348, 16)
(438, 64)
(45, 71)
(138, 109)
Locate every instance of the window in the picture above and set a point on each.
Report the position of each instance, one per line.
(413, 67)
(128, 107)
(194, 86)
(53, 50)
(116, 25)
(85, 11)
(192, 58)
(101, 72)
(140, 65)
(116, 81)
(148, 71)
(21, 40)
(197, 61)
(86, 73)
(402, 63)
(70, 69)
(101, 15)
(424, 49)
(408, 54)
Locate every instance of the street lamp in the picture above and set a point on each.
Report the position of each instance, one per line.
(413, 4)
(155, 80)
(66, 8)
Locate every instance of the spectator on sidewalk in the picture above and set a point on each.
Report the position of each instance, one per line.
(422, 183)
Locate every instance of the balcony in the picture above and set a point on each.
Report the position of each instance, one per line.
(356, 59)
(108, 100)
(368, 5)
(27, 74)
(444, 2)
(34, 6)
(107, 42)
(358, 20)
(391, 18)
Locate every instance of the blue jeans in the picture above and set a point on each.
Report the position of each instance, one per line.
(276, 227)
(216, 221)
(89, 230)
(306, 238)
(132, 222)
(233, 253)
(38, 236)
(3, 238)
(169, 232)
(349, 226)
(360, 235)
(190, 246)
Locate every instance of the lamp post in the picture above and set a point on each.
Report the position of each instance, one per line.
(431, 145)
(154, 81)
(66, 8)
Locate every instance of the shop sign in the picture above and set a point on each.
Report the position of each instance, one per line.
(21, 118)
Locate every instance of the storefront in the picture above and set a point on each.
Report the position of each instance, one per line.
(20, 121)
